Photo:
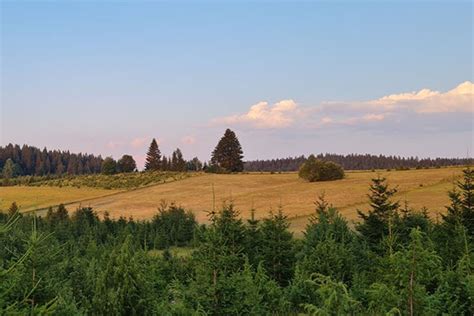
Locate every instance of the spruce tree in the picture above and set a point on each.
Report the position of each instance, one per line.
(277, 250)
(179, 164)
(153, 157)
(376, 223)
(228, 153)
(165, 164)
(461, 209)
(8, 169)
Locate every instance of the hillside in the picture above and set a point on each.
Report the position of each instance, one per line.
(264, 191)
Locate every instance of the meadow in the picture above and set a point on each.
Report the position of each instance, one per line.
(260, 191)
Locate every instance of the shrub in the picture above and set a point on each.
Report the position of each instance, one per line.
(317, 170)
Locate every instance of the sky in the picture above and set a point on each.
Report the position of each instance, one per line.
(289, 78)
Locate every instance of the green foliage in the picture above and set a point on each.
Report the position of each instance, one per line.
(318, 170)
(461, 209)
(116, 181)
(109, 166)
(9, 170)
(85, 264)
(126, 164)
(177, 161)
(173, 226)
(277, 248)
(194, 165)
(412, 273)
(122, 287)
(333, 298)
(378, 221)
(228, 153)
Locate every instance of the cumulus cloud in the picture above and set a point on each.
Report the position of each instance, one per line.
(459, 99)
(288, 113)
(262, 115)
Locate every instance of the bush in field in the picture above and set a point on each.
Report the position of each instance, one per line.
(318, 170)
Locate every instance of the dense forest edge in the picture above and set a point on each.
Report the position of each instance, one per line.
(17, 161)
(396, 261)
(355, 162)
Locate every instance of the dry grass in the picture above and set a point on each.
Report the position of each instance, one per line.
(267, 191)
(29, 198)
(263, 192)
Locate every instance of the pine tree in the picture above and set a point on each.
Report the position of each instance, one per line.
(153, 157)
(228, 153)
(179, 164)
(333, 297)
(375, 224)
(466, 200)
(9, 169)
(122, 288)
(462, 202)
(174, 161)
(328, 245)
(13, 209)
(277, 250)
(165, 166)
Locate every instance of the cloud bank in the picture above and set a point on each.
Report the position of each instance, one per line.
(396, 107)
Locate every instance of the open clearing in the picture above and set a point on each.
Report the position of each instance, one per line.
(263, 192)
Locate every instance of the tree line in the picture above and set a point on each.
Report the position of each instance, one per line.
(29, 160)
(395, 261)
(226, 157)
(355, 162)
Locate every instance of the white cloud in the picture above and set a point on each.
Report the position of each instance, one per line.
(262, 115)
(459, 99)
(401, 106)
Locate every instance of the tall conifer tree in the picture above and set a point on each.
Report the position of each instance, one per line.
(228, 153)
(153, 157)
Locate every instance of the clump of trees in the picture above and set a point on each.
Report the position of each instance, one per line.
(228, 154)
(176, 162)
(396, 262)
(318, 170)
(125, 164)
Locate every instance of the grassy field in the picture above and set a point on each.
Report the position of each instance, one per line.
(264, 192)
(29, 198)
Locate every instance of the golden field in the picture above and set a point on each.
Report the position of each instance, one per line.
(29, 198)
(261, 191)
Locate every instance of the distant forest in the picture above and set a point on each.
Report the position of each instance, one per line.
(355, 162)
(29, 160)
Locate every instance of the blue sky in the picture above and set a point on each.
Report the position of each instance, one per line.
(106, 77)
